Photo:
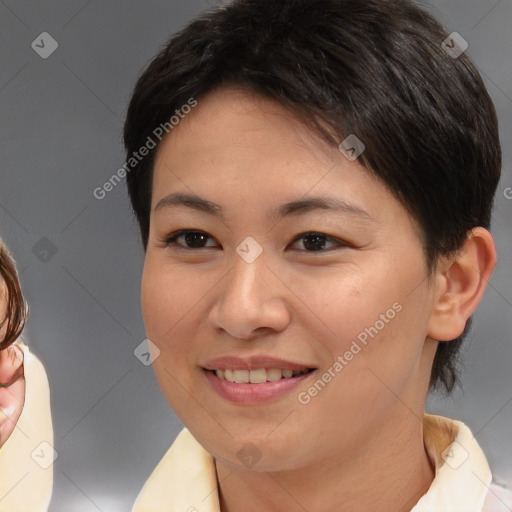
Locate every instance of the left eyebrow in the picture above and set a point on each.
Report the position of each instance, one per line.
(303, 206)
(292, 208)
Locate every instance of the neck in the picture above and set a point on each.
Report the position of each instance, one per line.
(390, 471)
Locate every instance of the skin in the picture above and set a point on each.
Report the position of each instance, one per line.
(358, 444)
(12, 398)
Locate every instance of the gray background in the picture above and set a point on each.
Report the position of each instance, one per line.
(80, 258)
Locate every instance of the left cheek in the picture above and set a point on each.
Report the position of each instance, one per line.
(350, 306)
(364, 312)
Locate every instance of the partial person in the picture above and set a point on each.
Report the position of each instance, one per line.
(26, 431)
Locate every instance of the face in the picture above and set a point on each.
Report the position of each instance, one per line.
(289, 266)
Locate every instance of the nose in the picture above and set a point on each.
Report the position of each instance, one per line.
(251, 301)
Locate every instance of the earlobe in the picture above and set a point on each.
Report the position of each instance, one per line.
(460, 283)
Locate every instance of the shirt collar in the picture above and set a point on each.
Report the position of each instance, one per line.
(462, 474)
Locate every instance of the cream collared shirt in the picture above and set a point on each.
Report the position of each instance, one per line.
(26, 472)
(185, 479)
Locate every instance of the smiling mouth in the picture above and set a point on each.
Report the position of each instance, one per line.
(258, 376)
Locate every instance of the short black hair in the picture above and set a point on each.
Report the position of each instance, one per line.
(381, 70)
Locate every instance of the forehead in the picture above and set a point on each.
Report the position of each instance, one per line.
(240, 149)
(238, 133)
(229, 117)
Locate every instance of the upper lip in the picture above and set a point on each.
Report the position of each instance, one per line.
(253, 363)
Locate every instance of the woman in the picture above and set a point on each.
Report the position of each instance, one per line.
(313, 183)
(26, 434)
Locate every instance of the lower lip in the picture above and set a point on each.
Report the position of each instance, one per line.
(250, 394)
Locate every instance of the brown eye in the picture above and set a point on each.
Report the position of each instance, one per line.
(188, 240)
(316, 242)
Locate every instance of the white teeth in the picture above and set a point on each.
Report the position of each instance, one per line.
(274, 374)
(257, 376)
(241, 376)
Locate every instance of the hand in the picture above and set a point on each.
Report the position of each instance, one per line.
(12, 390)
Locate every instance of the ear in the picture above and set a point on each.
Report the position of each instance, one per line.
(459, 285)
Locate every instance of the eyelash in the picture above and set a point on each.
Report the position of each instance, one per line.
(170, 241)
